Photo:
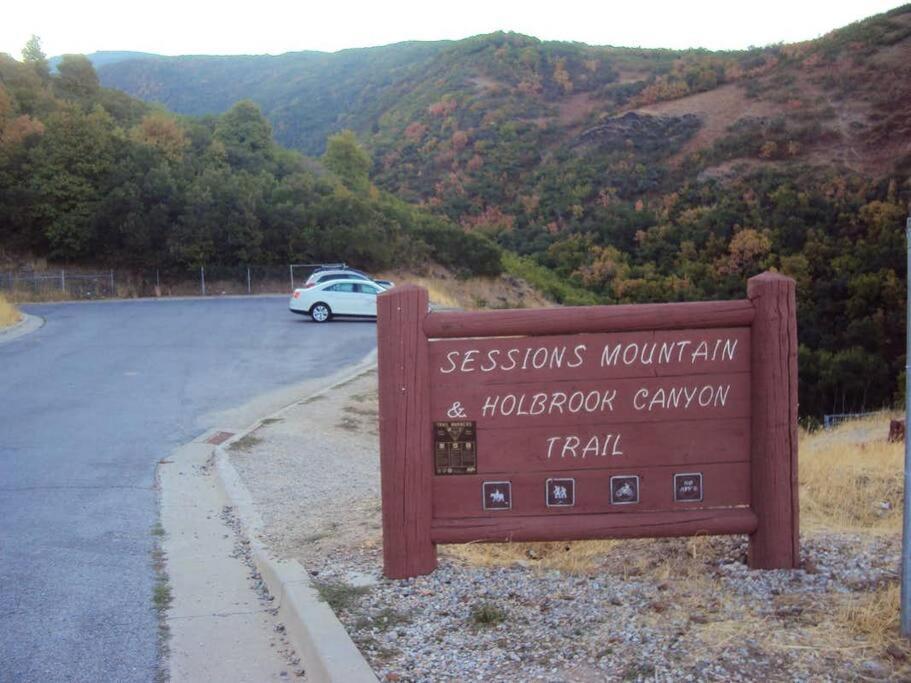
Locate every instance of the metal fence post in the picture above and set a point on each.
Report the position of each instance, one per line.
(113, 292)
(906, 518)
(291, 269)
(202, 278)
(249, 290)
(63, 281)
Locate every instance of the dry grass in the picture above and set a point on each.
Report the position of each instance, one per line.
(659, 559)
(9, 314)
(872, 617)
(28, 296)
(851, 478)
(576, 557)
(472, 293)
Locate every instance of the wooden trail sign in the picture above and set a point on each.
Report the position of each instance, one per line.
(589, 422)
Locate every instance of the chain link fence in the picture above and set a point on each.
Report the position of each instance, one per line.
(835, 419)
(75, 283)
(46, 285)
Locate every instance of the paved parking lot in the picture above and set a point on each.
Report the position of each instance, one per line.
(88, 405)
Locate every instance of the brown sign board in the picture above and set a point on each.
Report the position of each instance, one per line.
(588, 422)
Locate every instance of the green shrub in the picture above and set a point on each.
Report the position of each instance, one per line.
(547, 281)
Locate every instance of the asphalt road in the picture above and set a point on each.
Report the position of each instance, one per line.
(88, 405)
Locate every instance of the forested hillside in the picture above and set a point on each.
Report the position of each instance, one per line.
(91, 175)
(306, 95)
(635, 175)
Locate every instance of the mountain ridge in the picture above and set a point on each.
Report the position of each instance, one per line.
(621, 175)
(645, 175)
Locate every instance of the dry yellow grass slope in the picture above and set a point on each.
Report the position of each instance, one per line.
(450, 291)
(9, 315)
(851, 478)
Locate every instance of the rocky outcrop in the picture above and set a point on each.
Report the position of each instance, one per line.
(640, 132)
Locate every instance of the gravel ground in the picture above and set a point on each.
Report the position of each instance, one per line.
(664, 609)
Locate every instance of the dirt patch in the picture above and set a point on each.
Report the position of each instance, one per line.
(576, 108)
(663, 609)
(631, 75)
(485, 83)
(315, 474)
(728, 170)
(717, 109)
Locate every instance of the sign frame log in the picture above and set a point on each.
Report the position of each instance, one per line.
(405, 328)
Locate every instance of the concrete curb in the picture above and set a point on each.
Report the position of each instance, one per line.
(28, 324)
(325, 648)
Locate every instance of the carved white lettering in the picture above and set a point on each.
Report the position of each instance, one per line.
(557, 399)
(451, 356)
(491, 364)
(569, 446)
(540, 359)
(578, 350)
(609, 357)
(650, 350)
(555, 403)
(538, 404)
(682, 344)
(550, 444)
(591, 448)
(701, 352)
(686, 397)
(468, 360)
(597, 445)
(649, 353)
(490, 404)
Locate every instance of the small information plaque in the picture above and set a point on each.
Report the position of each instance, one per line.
(496, 495)
(561, 493)
(624, 490)
(688, 487)
(455, 447)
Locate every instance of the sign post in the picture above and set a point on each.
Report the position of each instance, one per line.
(589, 422)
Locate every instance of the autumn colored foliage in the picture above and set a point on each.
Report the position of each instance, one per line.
(604, 174)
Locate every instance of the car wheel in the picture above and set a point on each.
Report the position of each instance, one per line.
(320, 312)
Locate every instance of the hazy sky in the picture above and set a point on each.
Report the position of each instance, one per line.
(267, 26)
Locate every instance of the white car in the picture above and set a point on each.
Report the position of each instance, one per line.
(356, 298)
(325, 273)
